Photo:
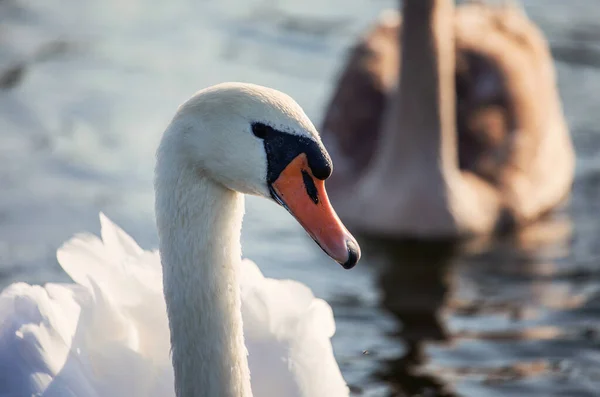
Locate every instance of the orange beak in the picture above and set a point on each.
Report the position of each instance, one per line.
(304, 196)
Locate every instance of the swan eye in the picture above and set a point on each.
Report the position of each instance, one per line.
(261, 130)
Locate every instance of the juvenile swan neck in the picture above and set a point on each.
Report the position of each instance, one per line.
(199, 224)
(425, 106)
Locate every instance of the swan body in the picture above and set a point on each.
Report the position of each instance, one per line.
(231, 331)
(446, 122)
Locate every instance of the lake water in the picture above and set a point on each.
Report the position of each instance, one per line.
(86, 89)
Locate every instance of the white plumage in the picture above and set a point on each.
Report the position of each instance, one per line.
(107, 335)
(195, 320)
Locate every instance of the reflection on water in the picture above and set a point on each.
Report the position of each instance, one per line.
(414, 278)
(509, 316)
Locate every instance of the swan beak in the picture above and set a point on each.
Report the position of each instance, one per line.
(304, 196)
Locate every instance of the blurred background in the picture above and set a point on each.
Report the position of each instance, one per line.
(87, 87)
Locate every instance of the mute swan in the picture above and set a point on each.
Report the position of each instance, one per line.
(465, 136)
(107, 335)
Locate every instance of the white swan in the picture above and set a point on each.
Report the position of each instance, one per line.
(108, 334)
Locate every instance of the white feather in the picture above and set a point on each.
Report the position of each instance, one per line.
(108, 335)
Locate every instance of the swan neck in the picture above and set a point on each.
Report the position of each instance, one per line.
(425, 105)
(199, 225)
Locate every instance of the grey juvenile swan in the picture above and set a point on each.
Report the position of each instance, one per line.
(446, 122)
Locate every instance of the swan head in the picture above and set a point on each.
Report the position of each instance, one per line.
(257, 140)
